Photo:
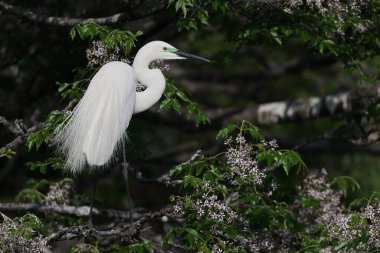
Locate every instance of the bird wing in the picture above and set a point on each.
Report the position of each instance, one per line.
(100, 119)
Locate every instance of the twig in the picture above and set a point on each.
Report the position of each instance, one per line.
(4, 217)
(310, 141)
(163, 179)
(70, 105)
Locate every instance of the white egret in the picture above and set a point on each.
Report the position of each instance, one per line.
(96, 130)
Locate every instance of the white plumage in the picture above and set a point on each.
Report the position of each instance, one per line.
(97, 126)
(99, 121)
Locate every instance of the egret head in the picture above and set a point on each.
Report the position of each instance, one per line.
(160, 50)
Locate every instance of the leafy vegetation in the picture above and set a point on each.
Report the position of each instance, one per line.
(112, 38)
(175, 99)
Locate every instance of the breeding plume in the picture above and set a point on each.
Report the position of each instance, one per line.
(97, 126)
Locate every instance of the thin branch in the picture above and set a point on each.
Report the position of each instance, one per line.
(163, 179)
(220, 77)
(304, 144)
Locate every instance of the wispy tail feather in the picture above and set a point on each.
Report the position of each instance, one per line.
(99, 121)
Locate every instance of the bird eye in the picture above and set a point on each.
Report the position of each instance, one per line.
(164, 48)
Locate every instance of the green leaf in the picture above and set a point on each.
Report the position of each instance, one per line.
(227, 131)
(191, 180)
(183, 6)
(140, 247)
(324, 45)
(30, 195)
(72, 34)
(6, 152)
(175, 99)
(74, 89)
(285, 158)
(38, 138)
(203, 16)
(289, 159)
(276, 37)
(53, 162)
(26, 226)
(346, 183)
(53, 120)
(253, 131)
(358, 203)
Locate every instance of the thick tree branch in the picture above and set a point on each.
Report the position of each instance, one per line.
(116, 230)
(69, 21)
(78, 211)
(60, 21)
(279, 112)
(19, 129)
(16, 128)
(311, 108)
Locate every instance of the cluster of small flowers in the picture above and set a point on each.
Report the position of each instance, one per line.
(348, 227)
(272, 145)
(267, 241)
(322, 6)
(341, 224)
(316, 187)
(12, 242)
(372, 214)
(239, 158)
(98, 54)
(342, 12)
(216, 249)
(272, 188)
(208, 206)
(343, 228)
(178, 209)
(159, 64)
(58, 194)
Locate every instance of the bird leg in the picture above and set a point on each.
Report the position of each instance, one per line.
(125, 174)
(92, 200)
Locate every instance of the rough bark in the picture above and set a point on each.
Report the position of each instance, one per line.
(78, 211)
(60, 21)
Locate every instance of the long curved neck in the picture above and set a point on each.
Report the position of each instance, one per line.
(154, 81)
